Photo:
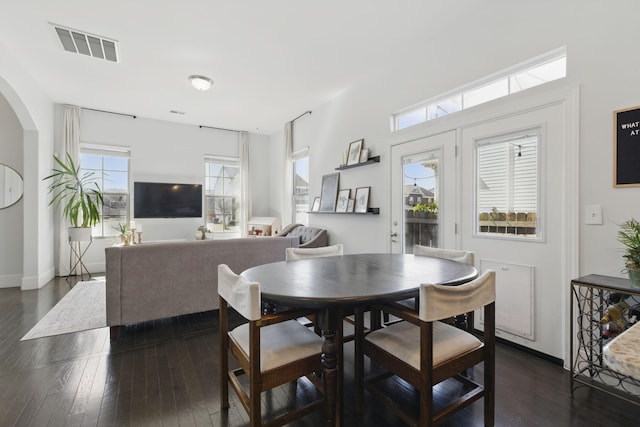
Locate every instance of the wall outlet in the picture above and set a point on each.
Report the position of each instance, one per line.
(593, 214)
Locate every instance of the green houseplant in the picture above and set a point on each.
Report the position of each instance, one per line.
(629, 236)
(123, 232)
(78, 193)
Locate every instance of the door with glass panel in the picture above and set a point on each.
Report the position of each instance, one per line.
(512, 218)
(424, 193)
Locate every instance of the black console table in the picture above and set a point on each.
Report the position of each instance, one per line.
(587, 308)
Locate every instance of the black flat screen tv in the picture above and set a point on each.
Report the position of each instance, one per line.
(161, 200)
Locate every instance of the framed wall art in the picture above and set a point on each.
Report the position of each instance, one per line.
(316, 205)
(364, 155)
(626, 156)
(343, 200)
(354, 152)
(362, 199)
(329, 192)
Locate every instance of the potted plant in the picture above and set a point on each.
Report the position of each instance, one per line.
(79, 196)
(629, 236)
(123, 229)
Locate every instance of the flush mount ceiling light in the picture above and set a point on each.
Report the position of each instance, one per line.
(200, 82)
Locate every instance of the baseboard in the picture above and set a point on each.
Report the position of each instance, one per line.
(533, 352)
(10, 281)
(36, 282)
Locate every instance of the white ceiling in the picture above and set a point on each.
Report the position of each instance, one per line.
(270, 60)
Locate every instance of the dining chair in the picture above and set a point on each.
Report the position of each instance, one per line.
(466, 257)
(296, 254)
(271, 349)
(293, 254)
(425, 352)
(305, 253)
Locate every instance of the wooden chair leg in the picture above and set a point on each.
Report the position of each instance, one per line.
(224, 356)
(255, 405)
(340, 379)
(114, 331)
(359, 359)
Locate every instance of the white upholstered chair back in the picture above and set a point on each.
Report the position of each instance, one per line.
(239, 293)
(465, 257)
(441, 302)
(304, 253)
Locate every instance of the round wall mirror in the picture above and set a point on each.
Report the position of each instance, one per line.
(11, 186)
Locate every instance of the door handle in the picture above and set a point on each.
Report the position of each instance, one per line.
(394, 234)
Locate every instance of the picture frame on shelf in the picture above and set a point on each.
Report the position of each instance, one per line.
(364, 155)
(350, 205)
(362, 199)
(329, 192)
(316, 205)
(343, 200)
(354, 152)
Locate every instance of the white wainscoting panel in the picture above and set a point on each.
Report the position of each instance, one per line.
(514, 297)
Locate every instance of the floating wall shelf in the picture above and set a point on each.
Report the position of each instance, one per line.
(375, 159)
(370, 211)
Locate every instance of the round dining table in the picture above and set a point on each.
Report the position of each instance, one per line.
(332, 285)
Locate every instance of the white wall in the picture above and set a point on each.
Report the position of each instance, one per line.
(167, 152)
(600, 42)
(11, 218)
(34, 111)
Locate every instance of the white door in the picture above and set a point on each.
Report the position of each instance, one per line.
(423, 174)
(512, 216)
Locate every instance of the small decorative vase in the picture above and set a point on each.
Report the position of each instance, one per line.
(634, 276)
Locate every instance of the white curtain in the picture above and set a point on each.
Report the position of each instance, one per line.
(245, 179)
(287, 202)
(71, 141)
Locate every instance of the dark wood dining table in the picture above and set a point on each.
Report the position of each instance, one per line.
(332, 285)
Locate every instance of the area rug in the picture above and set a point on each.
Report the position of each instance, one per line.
(81, 309)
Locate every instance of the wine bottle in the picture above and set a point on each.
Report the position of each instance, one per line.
(615, 297)
(615, 312)
(634, 314)
(611, 330)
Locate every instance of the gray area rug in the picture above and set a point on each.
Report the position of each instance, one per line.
(81, 309)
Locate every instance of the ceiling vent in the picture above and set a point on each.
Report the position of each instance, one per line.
(87, 44)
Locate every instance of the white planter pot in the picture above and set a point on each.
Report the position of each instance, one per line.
(79, 234)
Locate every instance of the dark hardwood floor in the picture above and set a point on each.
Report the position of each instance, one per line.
(165, 373)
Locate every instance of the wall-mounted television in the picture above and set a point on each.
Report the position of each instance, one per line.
(162, 200)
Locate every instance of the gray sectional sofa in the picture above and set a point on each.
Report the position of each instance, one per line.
(157, 280)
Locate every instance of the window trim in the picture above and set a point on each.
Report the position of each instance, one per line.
(539, 132)
(229, 161)
(507, 73)
(110, 151)
(304, 152)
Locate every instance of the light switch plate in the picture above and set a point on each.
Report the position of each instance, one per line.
(593, 214)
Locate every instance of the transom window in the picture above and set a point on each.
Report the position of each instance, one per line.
(507, 186)
(222, 194)
(546, 68)
(110, 167)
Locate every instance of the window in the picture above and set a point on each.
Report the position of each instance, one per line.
(546, 68)
(111, 169)
(301, 187)
(222, 195)
(421, 199)
(507, 186)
